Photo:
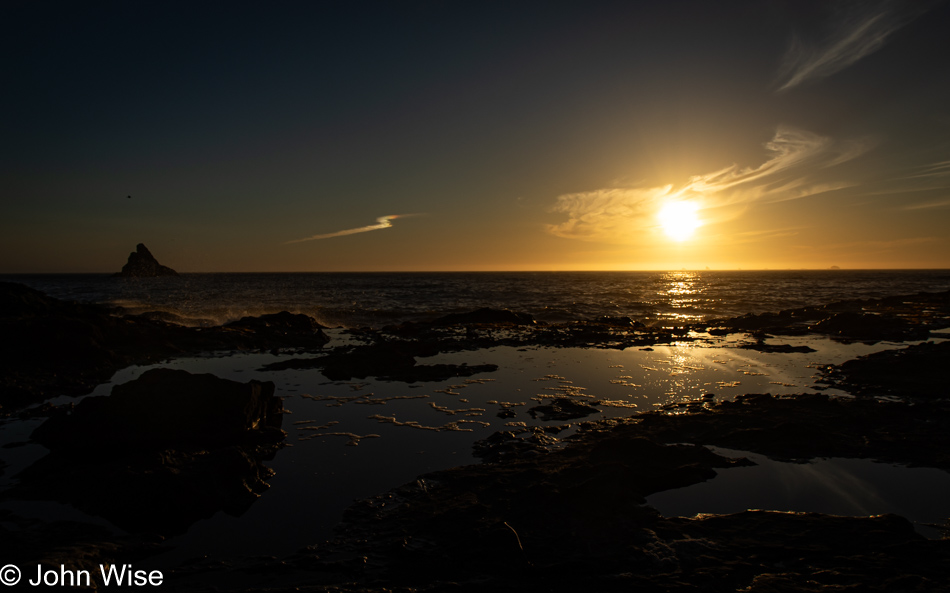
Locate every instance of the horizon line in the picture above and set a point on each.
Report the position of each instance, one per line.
(737, 269)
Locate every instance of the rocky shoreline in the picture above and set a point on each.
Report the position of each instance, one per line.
(531, 516)
(53, 347)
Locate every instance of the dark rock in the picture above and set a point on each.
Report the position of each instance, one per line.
(562, 408)
(506, 444)
(21, 302)
(167, 317)
(389, 361)
(287, 323)
(486, 316)
(283, 329)
(142, 264)
(750, 322)
(619, 322)
(902, 317)
(165, 409)
(160, 453)
(802, 427)
(860, 326)
(761, 346)
(917, 371)
(505, 411)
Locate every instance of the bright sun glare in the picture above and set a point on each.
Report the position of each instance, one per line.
(679, 220)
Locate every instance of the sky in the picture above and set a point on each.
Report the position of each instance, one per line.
(410, 136)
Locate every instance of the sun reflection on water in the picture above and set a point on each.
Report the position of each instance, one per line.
(683, 292)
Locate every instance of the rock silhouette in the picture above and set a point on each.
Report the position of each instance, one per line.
(142, 264)
(162, 452)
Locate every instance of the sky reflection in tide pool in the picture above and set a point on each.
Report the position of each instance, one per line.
(834, 486)
(319, 475)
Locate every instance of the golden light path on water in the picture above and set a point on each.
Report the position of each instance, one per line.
(681, 291)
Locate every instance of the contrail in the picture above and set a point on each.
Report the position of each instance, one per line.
(383, 222)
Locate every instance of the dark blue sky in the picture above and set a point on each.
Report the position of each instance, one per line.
(525, 135)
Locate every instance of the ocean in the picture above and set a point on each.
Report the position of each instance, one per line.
(379, 299)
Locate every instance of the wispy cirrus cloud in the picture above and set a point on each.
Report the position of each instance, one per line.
(862, 29)
(863, 248)
(927, 183)
(383, 222)
(756, 236)
(931, 171)
(620, 214)
(929, 205)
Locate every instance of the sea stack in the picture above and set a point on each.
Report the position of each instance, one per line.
(142, 264)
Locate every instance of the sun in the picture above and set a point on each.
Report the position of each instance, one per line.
(679, 220)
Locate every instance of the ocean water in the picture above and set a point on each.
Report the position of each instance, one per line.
(377, 299)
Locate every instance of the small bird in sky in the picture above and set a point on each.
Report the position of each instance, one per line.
(129, 197)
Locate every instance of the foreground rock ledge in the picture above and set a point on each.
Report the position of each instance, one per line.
(161, 452)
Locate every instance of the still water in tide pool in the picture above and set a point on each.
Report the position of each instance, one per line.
(322, 472)
(834, 486)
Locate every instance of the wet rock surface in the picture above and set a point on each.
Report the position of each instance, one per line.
(803, 427)
(900, 318)
(485, 315)
(160, 453)
(604, 333)
(620, 322)
(917, 371)
(386, 360)
(761, 346)
(562, 408)
(523, 442)
(296, 328)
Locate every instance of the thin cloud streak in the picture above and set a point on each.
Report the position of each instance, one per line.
(933, 177)
(383, 222)
(928, 205)
(752, 236)
(861, 33)
(941, 169)
(862, 247)
(621, 214)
